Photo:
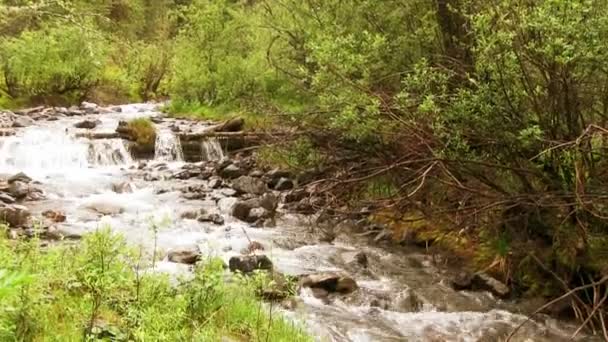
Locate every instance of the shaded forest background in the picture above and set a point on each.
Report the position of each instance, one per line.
(478, 126)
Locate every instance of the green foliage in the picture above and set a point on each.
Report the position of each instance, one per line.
(143, 131)
(54, 61)
(101, 287)
(298, 155)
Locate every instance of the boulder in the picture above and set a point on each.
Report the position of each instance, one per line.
(284, 184)
(22, 177)
(22, 121)
(231, 171)
(331, 282)
(89, 107)
(185, 255)
(19, 189)
(255, 209)
(14, 215)
(249, 185)
(87, 124)
(249, 263)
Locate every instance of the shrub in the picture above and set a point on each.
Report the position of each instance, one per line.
(103, 288)
(56, 61)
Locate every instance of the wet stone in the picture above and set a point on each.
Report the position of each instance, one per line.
(249, 263)
(188, 255)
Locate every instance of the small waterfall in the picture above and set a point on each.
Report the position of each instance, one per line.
(109, 152)
(168, 147)
(212, 150)
(44, 150)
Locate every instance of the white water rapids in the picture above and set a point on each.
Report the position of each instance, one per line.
(78, 176)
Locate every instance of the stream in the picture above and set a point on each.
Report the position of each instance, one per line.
(402, 295)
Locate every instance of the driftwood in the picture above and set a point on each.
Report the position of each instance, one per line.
(99, 135)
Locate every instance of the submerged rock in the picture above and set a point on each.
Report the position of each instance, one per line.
(249, 263)
(105, 208)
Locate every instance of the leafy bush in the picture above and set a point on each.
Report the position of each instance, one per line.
(103, 288)
(64, 61)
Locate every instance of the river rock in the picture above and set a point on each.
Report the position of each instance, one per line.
(252, 247)
(19, 189)
(480, 282)
(122, 187)
(331, 282)
(255, 209)
(489, 283)
(355, 259)
(231, 171)
(14, 215)
(185, 255)
(249, 185)
(55, 216)
(89, 107)
(214, 183)
(215, 218)
(296, 195)
(6, 198)
(20, 121)
(284, 184)
(22, 177)
(87, 124)
(105, 208)
(249, 263)
(256, 173)
(6, 119)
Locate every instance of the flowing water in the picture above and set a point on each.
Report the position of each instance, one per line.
(212, 150)
(168, 147)
(402, 296)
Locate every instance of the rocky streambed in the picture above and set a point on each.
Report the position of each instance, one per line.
(65, 172)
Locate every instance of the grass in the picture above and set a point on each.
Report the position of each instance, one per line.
(143, 130)
(93, 291)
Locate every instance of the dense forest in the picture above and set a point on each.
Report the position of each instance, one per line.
(477, 127)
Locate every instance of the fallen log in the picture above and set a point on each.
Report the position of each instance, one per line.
(242, 135)
(98, 135)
